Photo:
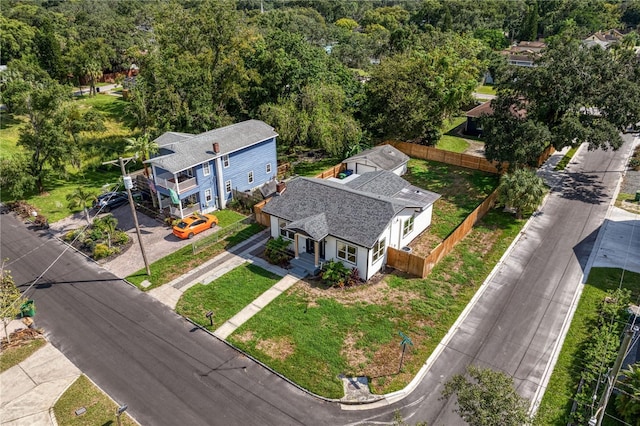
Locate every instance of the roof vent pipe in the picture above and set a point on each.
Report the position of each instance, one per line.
(216, 147)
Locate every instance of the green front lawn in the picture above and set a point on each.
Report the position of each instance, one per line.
(184, 260)
(558, 398)
(311, 333)
(225, 296)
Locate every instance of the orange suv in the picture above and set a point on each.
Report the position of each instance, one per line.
(194, 224)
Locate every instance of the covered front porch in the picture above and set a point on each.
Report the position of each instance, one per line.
(308, 255)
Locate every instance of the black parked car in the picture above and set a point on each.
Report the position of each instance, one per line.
(110, 200)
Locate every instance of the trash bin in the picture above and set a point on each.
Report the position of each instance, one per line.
(637, 195)
(27, 309)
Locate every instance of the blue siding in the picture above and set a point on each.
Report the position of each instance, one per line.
(205, 182)
(254, 158)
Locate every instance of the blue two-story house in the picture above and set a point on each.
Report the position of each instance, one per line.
(199, 172)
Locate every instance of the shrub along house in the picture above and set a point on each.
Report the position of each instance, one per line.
(352, 221)
(199, 172)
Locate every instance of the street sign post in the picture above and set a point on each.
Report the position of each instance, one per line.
(405, 340)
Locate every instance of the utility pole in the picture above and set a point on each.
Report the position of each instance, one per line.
(596, 420)
(127, 184)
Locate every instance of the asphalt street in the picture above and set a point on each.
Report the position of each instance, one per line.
(168, 372)
(517, 320)
(140, 352)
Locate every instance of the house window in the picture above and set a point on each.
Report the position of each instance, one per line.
(206, 169)
(268, 168)
(189, 172)
(378, 249)
(207, 196)
(347, 252)
(251, 176)
(407, 227)
(227, 186)
(225, 160)
(285, 233)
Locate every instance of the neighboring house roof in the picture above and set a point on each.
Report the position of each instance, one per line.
(385, 157)
(352, 212)
(484, 108)
(179, 151)
(603, 38)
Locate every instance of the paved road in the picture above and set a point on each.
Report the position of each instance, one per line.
(517, 321)
(143, 354)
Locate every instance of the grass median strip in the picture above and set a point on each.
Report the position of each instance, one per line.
(184, 260)
(100, 409)
(312, 333)
(225, 296)
(555, 407)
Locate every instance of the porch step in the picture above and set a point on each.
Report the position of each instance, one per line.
(298, 272)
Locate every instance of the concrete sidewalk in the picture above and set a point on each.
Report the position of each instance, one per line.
(31, 388)
(620, 244)
(170, 293)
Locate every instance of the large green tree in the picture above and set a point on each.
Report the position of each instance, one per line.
(29, 91)
(410, 94)
(487, 397)
(194, 77)
(574, 95)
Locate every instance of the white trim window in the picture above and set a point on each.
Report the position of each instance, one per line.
(407, 226)
(378, 249)
(225, 161)
(268, 168)
(251, 176)
(207, 196)
(285, 233)
(227, 186)
(206, 169)
(347, 252)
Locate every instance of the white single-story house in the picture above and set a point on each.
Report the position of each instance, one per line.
(382, 157)
(352, 221)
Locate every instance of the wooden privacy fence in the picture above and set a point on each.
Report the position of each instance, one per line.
(332, 172)
(262, 218)
(457, 159)
(421, 266)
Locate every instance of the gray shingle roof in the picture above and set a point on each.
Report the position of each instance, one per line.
(385, 157)
(320, 207)
(187, 150)
(391, 185)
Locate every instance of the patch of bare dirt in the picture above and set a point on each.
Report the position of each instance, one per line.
(21, 337)
(374, 293)
(245, 337)
(280, 349)
(475, 148)
(354, 356)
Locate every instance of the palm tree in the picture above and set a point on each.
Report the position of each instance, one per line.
(82, 199)
(93, 71)
(143, 148)
(109, 223)
(521, 189)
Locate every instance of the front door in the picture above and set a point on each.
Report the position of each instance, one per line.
(310, 248)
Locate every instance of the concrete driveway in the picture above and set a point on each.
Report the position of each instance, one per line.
(157, 239)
